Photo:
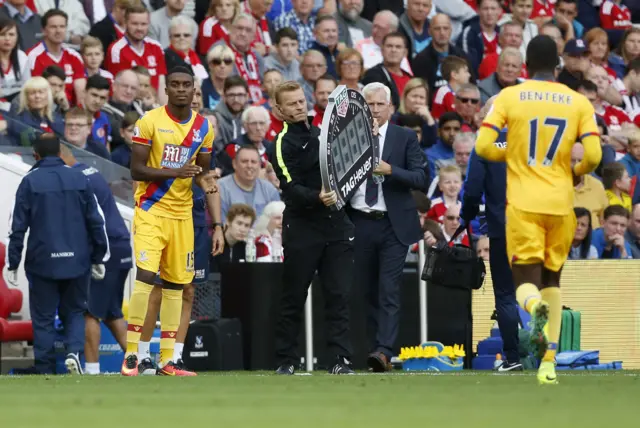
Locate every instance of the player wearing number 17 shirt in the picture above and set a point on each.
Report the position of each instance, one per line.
(167, 141)
(544, 120)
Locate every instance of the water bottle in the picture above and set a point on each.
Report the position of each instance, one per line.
(276, 246)
(250, 252)
(498, 362)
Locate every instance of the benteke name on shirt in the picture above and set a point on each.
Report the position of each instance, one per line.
(553, 97)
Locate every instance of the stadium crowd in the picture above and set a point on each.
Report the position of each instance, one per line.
(89, 70)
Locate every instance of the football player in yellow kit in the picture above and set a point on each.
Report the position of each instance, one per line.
(544, 120)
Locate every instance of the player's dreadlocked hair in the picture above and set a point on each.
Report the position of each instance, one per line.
(542, 55)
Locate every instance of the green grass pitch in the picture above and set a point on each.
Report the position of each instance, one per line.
(262, 400)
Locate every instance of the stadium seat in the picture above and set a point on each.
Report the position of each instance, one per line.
(10, 299)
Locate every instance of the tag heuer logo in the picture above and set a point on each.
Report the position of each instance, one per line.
(342, 103)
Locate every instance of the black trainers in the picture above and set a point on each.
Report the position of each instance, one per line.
(286, 369)
(342, 367)
(146, 367)
(506, 366)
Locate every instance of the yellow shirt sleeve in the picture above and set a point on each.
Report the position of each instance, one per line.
(207, 143)
(590, 138)
(494, 122)
(143, 131)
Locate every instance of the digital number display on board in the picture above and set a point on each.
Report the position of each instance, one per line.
(348, 150)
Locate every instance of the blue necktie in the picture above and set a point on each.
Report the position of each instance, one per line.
(371, 193)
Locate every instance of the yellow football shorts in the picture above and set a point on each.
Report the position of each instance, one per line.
(164, 244)
(539, 238)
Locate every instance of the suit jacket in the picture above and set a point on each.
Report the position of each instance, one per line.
(402, 151)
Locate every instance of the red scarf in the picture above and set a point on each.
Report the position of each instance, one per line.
(190, 58)
(249, 72)
(262, 28)
(317, 118)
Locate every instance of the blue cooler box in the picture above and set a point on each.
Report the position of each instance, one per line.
(110, 353)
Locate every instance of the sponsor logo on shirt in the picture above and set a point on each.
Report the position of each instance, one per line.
(62, 255)
(174, 156)
(167, 131)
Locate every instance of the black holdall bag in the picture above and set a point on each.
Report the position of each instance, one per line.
(458, 266)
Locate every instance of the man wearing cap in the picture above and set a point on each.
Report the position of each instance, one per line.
(576, 63)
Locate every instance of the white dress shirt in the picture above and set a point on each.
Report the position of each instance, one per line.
(358, 198)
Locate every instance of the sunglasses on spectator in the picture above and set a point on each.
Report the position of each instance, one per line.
(464, 100)
(183, 35)
(218, 61)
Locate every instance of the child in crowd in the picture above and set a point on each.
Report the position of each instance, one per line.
(93, 55)
(450, 184)
(616, 181)
(455, 71)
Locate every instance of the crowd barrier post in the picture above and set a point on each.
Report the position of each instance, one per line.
(308, 330)
(422, 293)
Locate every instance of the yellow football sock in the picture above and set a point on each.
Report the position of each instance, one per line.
(528, 296)
(138, 305)
(553, 297)
(170, 312)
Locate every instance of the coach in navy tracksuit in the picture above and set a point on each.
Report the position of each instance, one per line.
(67, 243)
(105, 295)
(490, 178)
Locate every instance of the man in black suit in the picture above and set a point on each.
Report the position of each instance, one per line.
(386, 221)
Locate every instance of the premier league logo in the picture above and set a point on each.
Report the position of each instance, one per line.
(348, 149)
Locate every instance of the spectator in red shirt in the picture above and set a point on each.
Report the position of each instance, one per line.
(455, 71)
(614, 15)
(450, 184)
(510, 37)
(216, 27)
(135, 48)
(322, 89)
(51, 52)
(389, 72)
(543, 11)
(613, 116)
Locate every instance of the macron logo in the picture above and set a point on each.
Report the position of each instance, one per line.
(61, 255)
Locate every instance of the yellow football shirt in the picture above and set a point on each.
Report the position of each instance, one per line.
(173, 145)
(544, 120)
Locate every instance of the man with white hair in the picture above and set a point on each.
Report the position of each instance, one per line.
(249, 64)
(386, 224)
(351, 27)
(507, 73)
(255, 121)
(385, 22)
(161, 22)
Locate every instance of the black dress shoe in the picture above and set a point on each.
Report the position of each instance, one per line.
(378, 362)
(342, 367)
(286, 369)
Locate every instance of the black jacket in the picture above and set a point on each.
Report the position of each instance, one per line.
(67, 231)
(105, 31)
(297, 165)
(381, 75)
